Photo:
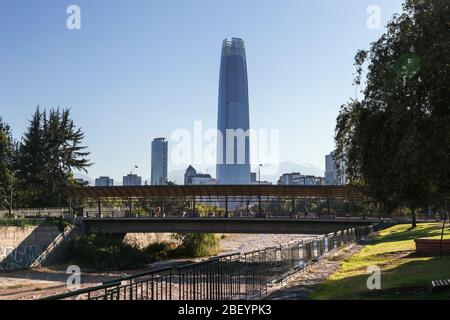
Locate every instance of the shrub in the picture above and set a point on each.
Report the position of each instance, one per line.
(105, 252)
(10, 222)
(159, 251)
(20, 222)
(62, 223)
(197, 244)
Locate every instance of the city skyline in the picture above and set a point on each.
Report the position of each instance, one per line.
(224, 151)
(130, 86)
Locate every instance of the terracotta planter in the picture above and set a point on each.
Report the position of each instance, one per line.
(431, 247)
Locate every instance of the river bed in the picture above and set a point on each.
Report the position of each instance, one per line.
(42, 282)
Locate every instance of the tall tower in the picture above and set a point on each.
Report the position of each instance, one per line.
(330, 170)
(233, 142)
(159, 161)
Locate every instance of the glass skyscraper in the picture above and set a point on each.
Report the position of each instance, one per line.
(159, 162)
(233, 142)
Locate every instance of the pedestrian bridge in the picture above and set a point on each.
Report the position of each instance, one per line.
(244, 208)
(221, 225)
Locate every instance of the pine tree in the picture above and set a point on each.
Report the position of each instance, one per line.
(6, 162)
(50, 151)
(64, 153)
(32, 164)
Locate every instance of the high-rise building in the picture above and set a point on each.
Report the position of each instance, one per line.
(296, 178)
(341, 173)
(334, 171)
(190, 172)
(253, 179)
(290, 178)
(233, 142)
(203, 178)
(192, 177)
(159, 162)
(104, 182)
(330, 170)
(132, 180)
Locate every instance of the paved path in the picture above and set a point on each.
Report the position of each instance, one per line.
(303, 283)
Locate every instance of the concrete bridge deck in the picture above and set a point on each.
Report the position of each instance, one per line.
(222, 225)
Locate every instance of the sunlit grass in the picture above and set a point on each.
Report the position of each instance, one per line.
(403, 274)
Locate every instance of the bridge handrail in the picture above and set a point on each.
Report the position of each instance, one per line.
(98, 219)
(139, 275)
(164, 269)
(69, 294)
(213, 259)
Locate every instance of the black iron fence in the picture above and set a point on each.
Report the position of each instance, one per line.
(235, 276)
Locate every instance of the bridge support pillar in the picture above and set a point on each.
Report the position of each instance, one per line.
(131, 206)
(248, 209)
(226, 207)
(347, 209)
(99, 208)
(259, 206)
(328, 205)
(293, 208)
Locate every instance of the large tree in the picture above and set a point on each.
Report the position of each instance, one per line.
(7, 157)
(49, 153)
(32, 164)
(396, 140)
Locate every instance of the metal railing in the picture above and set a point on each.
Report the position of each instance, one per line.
(109, 212)
(36, 212)
(234, 276)
(52, 246)
(94, 213)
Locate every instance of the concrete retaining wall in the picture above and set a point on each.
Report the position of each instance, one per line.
(21, 246)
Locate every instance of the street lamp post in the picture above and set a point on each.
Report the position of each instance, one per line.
(11, 197)
(131, 199)
(259, 173)
(259, 183)
(134, 167)
(11, 192)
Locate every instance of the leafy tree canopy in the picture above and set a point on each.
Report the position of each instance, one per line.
(396, 139)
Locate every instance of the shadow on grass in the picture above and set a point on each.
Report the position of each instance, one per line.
(421, 231)
(410, 280)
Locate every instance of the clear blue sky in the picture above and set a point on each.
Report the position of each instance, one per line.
(140, 69)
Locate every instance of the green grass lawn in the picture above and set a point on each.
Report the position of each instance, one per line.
(10, 222)
(33, 222)
(404, 275)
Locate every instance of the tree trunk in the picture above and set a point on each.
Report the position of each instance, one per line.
(413, 218)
